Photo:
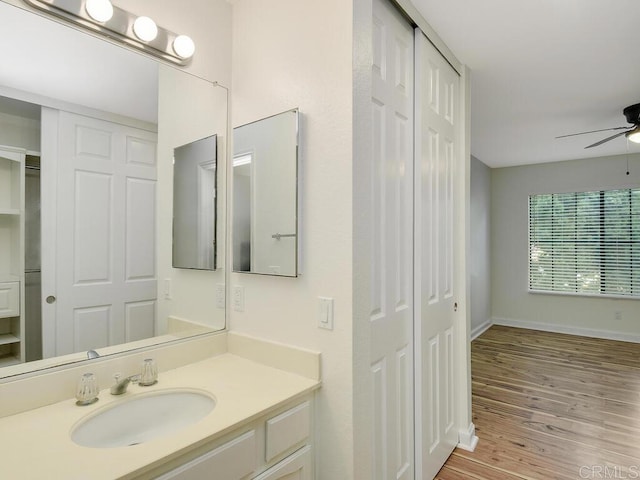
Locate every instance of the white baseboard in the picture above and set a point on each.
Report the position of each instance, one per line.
(467, 439)
(584, 332)
(480, 329)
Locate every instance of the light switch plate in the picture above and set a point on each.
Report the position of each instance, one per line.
(167, 289)
(325, 313)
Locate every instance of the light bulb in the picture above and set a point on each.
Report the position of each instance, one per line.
(184, 46)
(634, 135)
(100, 10)
(145, 29)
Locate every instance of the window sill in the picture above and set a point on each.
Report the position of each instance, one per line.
(586, 295)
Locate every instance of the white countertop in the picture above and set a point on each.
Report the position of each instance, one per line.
(36, 444)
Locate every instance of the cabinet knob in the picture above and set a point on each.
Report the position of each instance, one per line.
(50, 299)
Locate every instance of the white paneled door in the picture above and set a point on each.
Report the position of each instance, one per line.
(415, 146)
(99, 206)
(391, 315)
(437, 139)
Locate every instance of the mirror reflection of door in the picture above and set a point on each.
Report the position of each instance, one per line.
(265, 196)
(103, 199)
(194, 204)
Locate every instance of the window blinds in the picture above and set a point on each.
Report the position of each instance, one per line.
(585, 242)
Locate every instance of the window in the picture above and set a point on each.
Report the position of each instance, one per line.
(586, 242)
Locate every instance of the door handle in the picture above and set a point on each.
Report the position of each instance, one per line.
(50, 299)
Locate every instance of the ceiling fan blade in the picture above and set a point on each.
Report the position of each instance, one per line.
(607, 139)
(593, 131)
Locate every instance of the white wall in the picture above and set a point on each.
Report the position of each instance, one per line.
(511, 303)
(480, 246)
(282, 60)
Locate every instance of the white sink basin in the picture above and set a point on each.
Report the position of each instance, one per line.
(142, 417)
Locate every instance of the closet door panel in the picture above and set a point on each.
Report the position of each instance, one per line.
(391, 279)
(436, 140)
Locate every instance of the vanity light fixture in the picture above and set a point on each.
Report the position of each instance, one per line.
(141, 32)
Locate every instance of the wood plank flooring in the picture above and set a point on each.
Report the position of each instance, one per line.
(551, 406)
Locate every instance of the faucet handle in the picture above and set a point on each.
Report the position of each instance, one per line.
(149, 374)
(87, 390)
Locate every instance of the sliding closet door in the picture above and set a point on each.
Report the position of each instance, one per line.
(99, 206)
(391, 314)
(436, 146)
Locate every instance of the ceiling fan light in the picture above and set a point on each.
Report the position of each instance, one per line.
(634, 135)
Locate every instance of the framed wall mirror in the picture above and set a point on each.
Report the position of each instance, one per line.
(86, 149)
(265, 196)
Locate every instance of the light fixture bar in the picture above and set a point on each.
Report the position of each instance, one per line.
(119, 27)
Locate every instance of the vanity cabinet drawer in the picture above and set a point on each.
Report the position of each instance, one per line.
(295, 467)
(287, 430)
(9, 299)
(234, 460)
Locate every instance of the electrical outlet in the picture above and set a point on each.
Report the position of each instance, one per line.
(238, 298)
(220, 295)
(617, 315)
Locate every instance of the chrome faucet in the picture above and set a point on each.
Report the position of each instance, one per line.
(92, 354)
(121, 384)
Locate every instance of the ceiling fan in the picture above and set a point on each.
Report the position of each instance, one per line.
(632, 114)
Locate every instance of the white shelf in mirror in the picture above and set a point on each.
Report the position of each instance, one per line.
(9, 211)
(6, 361)
(8, 339)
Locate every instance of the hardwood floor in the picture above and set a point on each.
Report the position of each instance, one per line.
(552, 406)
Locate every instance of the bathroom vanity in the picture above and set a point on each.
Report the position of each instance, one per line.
(261, 426)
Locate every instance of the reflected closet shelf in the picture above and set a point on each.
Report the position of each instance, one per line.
(8, 360)
(8, 339)
(9, 211)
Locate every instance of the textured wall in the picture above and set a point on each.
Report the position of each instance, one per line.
(281, 60)
(480, 246)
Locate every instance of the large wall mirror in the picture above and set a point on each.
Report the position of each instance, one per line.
(265, 196)
(87, 137)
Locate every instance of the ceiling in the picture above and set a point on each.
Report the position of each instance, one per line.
(542, 69)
